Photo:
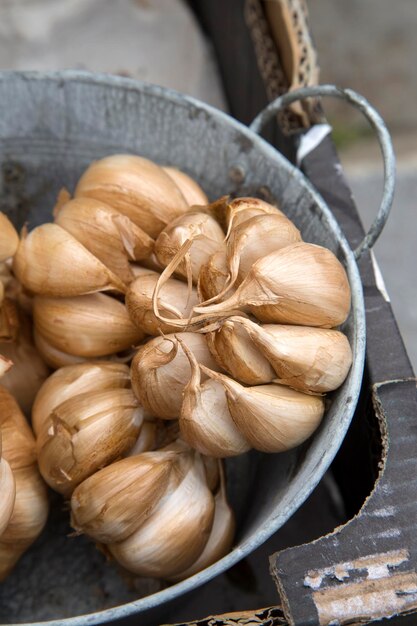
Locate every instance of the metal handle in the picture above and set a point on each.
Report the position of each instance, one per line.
(378, 125)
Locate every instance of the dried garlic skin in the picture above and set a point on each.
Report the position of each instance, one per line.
(202, 229)
(272, 418)
(254, 238)
(309, 359)
(8, 492)
(174, 300)
(29, 370)
(160, 371)
(111, 237)
(74, 380)
(87, 432)
(85, 326)
(9, 239)
(230, 213)
(137, 188)
(205, 420)
(30, 508)
(176, 533)
(114, 502)
(213, 276)
(238, 355)
(301, 284)
(220, 540)
(44, 257)
(190, 189)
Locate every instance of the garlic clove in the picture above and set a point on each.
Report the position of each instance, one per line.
(87, 432)
(160, 371)
(18, 443)
(8, 494)
(137, 188)
(42, 260)
(254, 238)
(191, 190)
(115, 501)
(87, 326)
(176, 533)
(147, 439)
(301, 284)
(272, 418)
(206, 235)
(220, 540)
(9, 239)
(109, 236)
(29, 370)
(238, 355)
(30, 507)
(205, 420)
(306, 358)
(73, 380)
(173, 301)
(53, 357)
(28, 518)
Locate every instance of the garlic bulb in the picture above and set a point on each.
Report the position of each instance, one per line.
(213, 276)
(111, 237)
(253, 239)
(8, 492)
(221, 536)
(9, 239)
(173, 301)
(205, 420)
(160, 371)
(207, 238)
(237, 354)
(74, 380)
(87, 326)
(272, 418)
(301, 284)
(175, 534)
(232, 213)
(29, 370)
(137, 188)
(30, 508)
(51, 262)
(115, 501)
(87, 432)
(305, 358)
(191, 190)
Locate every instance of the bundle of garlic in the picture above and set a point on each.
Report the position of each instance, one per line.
(85, 416)
(155, 513)
(30, 503)
(230, 319)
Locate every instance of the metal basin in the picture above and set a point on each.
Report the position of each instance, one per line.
(51, 127)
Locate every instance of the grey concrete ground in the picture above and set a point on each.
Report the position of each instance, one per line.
(396, 250)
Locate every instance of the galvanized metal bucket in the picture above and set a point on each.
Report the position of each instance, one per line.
(51, 127)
